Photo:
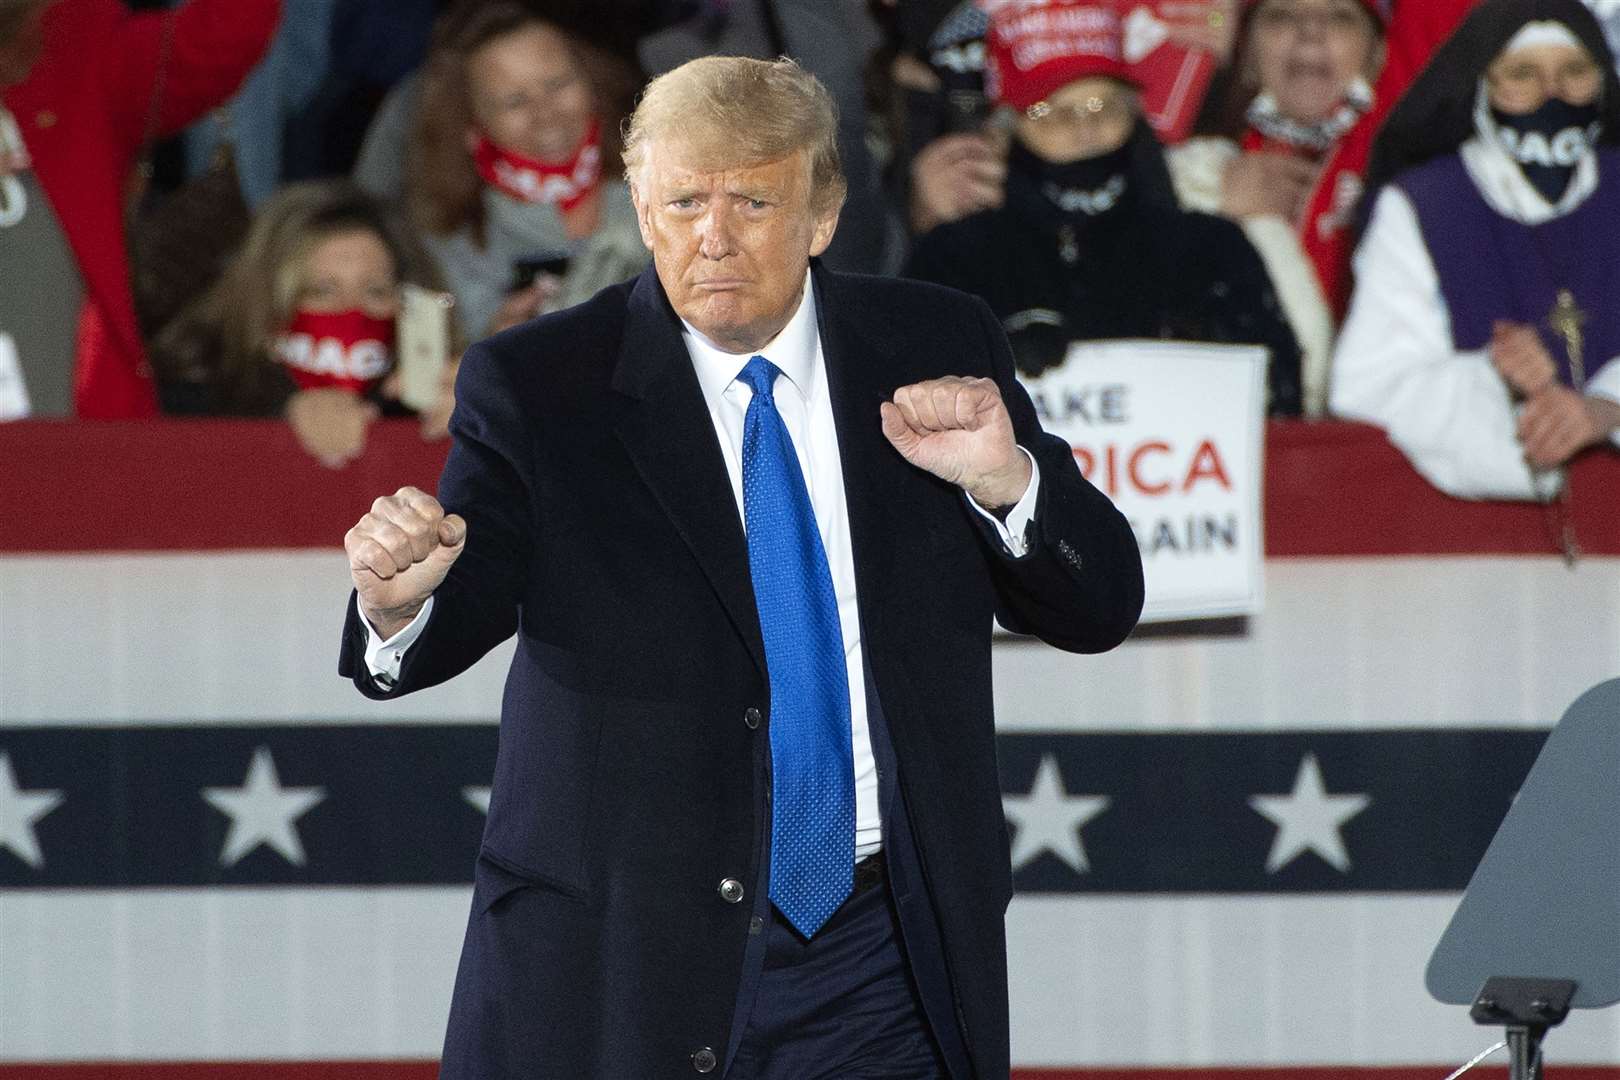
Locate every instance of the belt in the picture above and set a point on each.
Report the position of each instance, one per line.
(869, 872)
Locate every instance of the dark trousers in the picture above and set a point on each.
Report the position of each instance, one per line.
(840, 1006)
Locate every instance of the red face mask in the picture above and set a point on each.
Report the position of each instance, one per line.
(346, 350)
(530, 180)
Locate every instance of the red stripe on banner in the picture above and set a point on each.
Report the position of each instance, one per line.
(1335, 488)
(1332, 488)
(428, 1070)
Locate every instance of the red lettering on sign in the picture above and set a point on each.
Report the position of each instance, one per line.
(1206, 463)
(1086, 460)
(1112, 466)
(1144, 486)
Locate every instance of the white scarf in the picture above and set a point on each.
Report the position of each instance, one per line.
(1320, 136)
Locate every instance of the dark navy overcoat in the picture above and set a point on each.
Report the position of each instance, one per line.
(603, 532)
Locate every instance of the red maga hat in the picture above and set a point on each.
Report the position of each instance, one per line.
(1037, 46)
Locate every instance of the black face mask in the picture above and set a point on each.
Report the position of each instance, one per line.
(1549, 142)
(1084, 189)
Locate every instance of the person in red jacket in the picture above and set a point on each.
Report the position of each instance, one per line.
(79, 82)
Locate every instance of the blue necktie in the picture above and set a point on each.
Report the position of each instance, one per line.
(812, 766)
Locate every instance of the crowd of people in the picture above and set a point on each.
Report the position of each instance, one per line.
(1413, 205)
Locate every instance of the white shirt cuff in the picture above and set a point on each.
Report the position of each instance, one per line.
(1014, 532)
(383, 657)
(1606, 384)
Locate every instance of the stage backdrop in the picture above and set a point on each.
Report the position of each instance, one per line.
(1235, 843)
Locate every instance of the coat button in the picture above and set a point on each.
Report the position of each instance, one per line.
(703, 1060)
(731, 890)
(751, 717)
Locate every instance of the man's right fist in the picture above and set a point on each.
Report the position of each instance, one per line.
(399, 553)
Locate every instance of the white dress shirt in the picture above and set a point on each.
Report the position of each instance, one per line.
(805, 405)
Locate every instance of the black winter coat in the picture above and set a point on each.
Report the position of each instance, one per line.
(1141, 270)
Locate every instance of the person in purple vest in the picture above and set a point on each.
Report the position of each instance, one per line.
(1484, 332)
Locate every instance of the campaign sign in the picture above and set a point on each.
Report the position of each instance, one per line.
(1172, 433)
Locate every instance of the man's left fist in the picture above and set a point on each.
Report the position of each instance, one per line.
(958, 429)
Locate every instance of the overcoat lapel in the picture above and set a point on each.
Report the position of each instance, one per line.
(862, 373)
(662, 421)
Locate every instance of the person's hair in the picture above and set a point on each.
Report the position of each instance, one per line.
(1436, 114)
(731, 111)
(13, 14)
(1225, 111)
(443, 190)
(223, 339)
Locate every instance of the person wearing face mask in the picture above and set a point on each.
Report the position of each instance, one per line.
(1485, 326)
(1269, 149)
(944, 159)
(302, 323)
(514, 178)
(1089, 243)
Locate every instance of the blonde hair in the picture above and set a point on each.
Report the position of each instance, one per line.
(223, 338)
(732, 111)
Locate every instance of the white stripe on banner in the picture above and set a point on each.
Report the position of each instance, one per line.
(1246, 980)
(218, 638)
(314, 974)
(275, 974)
(1343, 644)
(1347, 644)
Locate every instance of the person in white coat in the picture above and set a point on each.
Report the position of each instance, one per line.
(1484, 332)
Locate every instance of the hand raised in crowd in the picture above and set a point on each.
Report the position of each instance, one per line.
(1260, 184)
(523, 304)
(1558, 423)
(399, 553)
(1521, 358)
(953, 177)
(331, 424)
(959, 430)
(1210, 26)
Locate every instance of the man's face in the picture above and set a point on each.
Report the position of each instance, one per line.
(731, 245)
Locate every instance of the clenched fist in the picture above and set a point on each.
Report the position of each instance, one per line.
(959, 430)
(399, 553)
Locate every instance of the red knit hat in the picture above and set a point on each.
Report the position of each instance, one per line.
(1036, 46)
(1380, 10)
